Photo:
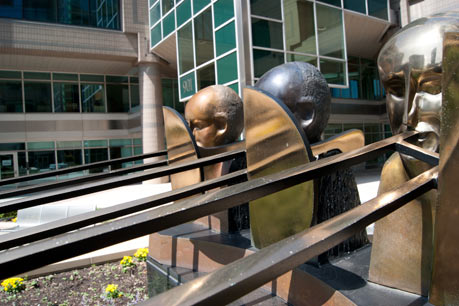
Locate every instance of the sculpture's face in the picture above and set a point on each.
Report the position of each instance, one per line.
(207, 126)
(410, 69)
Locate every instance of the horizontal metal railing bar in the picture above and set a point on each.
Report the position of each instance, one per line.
(72, 223)
(404, 147)
(105, 163)
(247, 274)
(75, 191)
(78, 180)
(41, 253)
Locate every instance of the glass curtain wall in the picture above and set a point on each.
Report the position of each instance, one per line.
(34, 92)
(364, 81)
(206, 41)
(92, 13)
(374, 8)
(298, 30)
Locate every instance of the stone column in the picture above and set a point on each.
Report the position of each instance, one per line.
(151, 101)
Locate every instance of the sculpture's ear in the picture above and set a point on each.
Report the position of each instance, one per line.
(306, 110)
(221, 123)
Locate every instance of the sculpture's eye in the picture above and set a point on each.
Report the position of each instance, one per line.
(395, 86)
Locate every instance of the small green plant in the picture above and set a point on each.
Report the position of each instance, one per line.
(13, 285)
(141, 254)
(112, 291)
(127, 263)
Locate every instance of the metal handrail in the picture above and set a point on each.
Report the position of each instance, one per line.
(79, 190)
(40, 253)
(78, 180)
(104, 163)
(247, 274)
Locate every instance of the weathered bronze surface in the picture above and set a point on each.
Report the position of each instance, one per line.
(180, 147)
(445, 279)
(215, 116)
(274, 143)
(410, 69)
(344, 142)
(246, 274)
(305, 91)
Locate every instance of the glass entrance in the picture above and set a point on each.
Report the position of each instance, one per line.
(8, 165)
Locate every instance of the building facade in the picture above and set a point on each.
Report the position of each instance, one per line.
(84, 80)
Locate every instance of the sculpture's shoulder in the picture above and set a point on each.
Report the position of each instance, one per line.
(393, 174)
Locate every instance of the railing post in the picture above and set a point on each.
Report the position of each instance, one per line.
(445, 280)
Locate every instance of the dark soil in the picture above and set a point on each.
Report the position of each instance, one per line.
(83, 287)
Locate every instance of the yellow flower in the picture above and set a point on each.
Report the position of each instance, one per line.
(14, 219)
(141, 254)
(14, 284)
(126, 261)
(111, 288)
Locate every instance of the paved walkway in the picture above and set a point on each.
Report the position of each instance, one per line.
(367, 183)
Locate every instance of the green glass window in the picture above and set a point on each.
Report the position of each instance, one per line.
(68, 144)
(117, 98)
(37, 96)
(119, 142)
(206, 76)
(299, 26)
(12, 146)
(95, 143)
(235, 87)
(185, 48)
(10, 74)
(40, 145)
(171, 95)
(167, 5)
(169, 24)
(330, 31)
(223, 11)
(377, 8)
(355, 5)
(66, 97)
(135, 99)
(10, 97)
(183, 12)
(95, 155)
(155, 14)
(271, 8)
(91, 78)
(69, 158)
(333, 71)
(155, 35)
(41, 161)
(199, 5)
(119, 152)
(227, 68)
(137, 141)
(203, 35)
(302, 58)
(134, 80)
(267, 34)
(332, 2)
(225, 39)
(116, 79)
(265, 60)
(92, 98)
(150, 2)
(187, 86)
(65, 77)
(37, 75)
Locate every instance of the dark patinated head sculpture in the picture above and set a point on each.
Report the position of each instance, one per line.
(410, 68)
(215, 115)
(304, 90)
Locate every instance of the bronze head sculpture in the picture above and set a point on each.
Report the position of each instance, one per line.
(215, 116)
(410, 68)
(305, 91)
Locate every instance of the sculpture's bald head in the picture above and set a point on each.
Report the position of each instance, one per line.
(305, 91)
(215, 116)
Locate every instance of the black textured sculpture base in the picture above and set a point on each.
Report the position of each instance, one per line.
(338, 193)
